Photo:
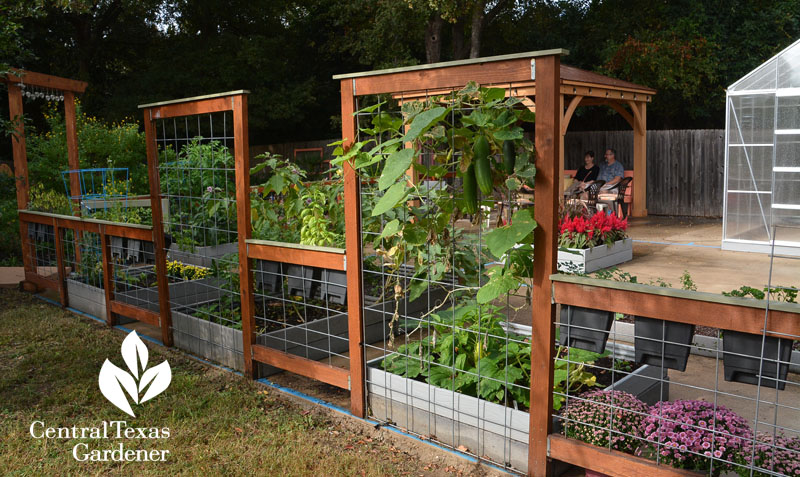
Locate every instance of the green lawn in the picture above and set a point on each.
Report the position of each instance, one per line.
(219, 423)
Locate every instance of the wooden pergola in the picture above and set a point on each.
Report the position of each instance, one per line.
(577, 88)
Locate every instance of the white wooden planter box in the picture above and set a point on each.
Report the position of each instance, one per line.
(201, 256)
(595, 258)
(455, 419)
(86, 298)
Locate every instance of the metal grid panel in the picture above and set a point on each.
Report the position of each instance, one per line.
(716, 401)
(428, 375)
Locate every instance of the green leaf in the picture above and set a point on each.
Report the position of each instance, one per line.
(390, 228)
(396, 165)
(390, 199)
(493, 94)
(414, 234)
(513, 183)
(501, 239)
(499, 284)
(424, 121)
(508, 134)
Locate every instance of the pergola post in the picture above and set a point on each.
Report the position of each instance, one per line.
(640, 160)
(72, 143)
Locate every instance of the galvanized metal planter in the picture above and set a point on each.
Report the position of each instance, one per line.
(86, 298)
(202, 256)
(487, 428)
(593, 259)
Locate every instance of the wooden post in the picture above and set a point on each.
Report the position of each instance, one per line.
(561, 133)
(72, 143)
(352, 220)
(18, 149)
(640, 161)
(73, 159)
(158, 229)
(108, 283)
(548, 130)
(241, 151)
(62, 272)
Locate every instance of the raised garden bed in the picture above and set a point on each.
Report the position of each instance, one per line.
(595, 258)
(86, 298)
(455, 419)
(201, 256)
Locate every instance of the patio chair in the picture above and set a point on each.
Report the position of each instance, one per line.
(592, 191)
(619, 200)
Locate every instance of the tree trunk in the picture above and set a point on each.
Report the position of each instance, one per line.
(433, 38)
(478, 16)
(460, 45)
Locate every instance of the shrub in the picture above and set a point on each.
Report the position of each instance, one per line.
(606, 418)
(99, 145)
(691, 433)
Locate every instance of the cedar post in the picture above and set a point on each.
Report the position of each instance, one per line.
(352, 219)
(241, 151)
(62, 272)
(547, 141)
(158, 229)
(108, 270)
(20, 166)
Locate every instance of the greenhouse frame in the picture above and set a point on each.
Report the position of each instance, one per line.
(762, 158)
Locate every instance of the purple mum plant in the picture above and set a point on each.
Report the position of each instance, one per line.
(692, 433)
(611, 419)
(769, 455)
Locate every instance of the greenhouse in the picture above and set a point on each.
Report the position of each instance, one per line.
(762, 176)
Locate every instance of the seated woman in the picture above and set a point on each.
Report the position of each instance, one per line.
(583, 176)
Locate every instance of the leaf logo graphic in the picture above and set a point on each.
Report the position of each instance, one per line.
(115, 383)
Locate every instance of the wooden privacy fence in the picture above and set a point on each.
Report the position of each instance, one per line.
(685, 168)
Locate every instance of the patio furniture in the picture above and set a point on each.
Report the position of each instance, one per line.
(591, 200)
(618, 200)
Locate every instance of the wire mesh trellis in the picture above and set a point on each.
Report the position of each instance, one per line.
(197, 177)
(712, 400)
(450, 369)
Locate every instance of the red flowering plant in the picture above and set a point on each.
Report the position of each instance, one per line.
(581, 232)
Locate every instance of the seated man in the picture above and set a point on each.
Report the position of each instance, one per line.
(611, 171)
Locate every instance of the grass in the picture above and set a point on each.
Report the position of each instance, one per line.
(219, 423)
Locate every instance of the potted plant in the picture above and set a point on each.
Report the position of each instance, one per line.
(590, 243)
(769, 455)
(609, 419)
(747, 355)
(689, 434)
(664, 343)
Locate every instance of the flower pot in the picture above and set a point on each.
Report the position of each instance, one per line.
(302, 280)
(269, 276)
(662, 342)
(334, 286)
(585, 328)
(745, 369)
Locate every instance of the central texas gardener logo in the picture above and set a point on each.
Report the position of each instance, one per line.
(115, 382)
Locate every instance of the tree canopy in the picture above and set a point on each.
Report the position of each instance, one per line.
(285, 51)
